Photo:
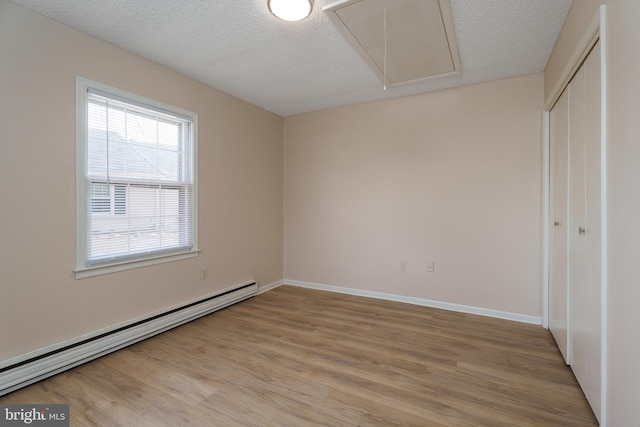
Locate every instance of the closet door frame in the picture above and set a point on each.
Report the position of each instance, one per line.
(593, 33)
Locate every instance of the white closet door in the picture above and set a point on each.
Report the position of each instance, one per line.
(585, 235)
(558, 267)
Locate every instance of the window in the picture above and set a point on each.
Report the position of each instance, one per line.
(108, 198)
(136, 188)
(100, 200)
(119, 199)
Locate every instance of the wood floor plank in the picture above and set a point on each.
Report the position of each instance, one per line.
(149, 402)
(301, 357)
(154, 373)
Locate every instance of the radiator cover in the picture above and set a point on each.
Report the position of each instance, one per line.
(28, 369)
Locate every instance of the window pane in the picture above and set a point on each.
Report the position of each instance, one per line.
(126, 143)
(100, 198)
(154, 219)
(120, 199)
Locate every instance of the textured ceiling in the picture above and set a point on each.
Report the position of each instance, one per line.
(237, 46)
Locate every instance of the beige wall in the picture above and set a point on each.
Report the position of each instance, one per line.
(622, 33)
(240, 182)
(452, 177)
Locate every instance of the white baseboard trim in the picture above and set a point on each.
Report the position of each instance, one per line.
(27, 369)
(264, 288)
(523, 318)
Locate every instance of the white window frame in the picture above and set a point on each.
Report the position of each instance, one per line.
(83, 197)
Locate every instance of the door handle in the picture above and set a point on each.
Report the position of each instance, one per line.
(556, 223)
(582, 230)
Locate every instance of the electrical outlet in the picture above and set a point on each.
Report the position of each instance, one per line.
(204, 273)
(403, 266)
(431, 267)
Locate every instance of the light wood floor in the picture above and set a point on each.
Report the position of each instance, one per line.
(298, 357)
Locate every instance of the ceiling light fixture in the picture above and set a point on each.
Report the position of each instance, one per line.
(290, 10)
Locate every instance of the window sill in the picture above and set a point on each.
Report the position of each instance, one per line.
(99, 270)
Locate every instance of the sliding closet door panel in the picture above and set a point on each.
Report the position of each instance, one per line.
(586, 230)
(591, 299)
(577, 245)
(558, 268)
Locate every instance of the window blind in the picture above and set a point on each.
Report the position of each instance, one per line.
(139, 180)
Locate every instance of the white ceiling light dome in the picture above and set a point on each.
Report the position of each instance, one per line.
(290, 10)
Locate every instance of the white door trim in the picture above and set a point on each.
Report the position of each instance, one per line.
(603, 187)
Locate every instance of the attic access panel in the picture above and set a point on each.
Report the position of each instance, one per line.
(420, 41)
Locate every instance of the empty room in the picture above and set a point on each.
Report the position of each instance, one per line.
(329, 212)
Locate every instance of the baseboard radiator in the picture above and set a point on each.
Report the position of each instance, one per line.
(50, 361)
